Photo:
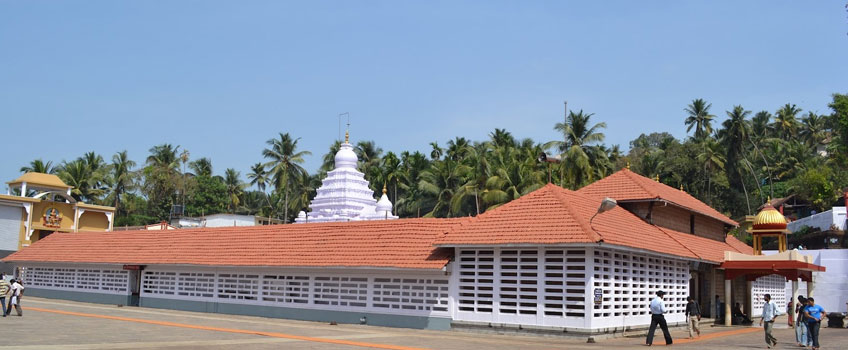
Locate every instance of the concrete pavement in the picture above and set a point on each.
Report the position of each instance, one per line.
(64, 325)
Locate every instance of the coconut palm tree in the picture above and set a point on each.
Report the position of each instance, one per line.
(328, 162)
(760, 125)
(713, 160)
(235, 188)
(440, 182)
(734, 136)
(78, 174)
(699, 118)
(578, 147)
(201, 167)
(813, 130)
(122, 177)
(786, 121)
(391, 173)
(39, 166)
(284, 165)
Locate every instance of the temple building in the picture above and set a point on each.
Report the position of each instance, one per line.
(583, 262)
(37, 205)
(345, 194)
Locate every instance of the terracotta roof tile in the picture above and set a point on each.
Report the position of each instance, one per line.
(405, 243)
(705, 248)
(553, 215)
(626, 185)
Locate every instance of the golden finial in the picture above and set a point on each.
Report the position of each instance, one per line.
(628, 165)
(768, 201)
(384, 188)
(657, 177)
(681, 186)
(347, 136)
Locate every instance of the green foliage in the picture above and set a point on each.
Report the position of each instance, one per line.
(815, 185)
(734, 168)
(207, 195)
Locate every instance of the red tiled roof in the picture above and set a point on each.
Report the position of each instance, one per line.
(625, 185)
(705, 248)
(553, 215)
(405, 243)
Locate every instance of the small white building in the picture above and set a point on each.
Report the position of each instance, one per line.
(226, 220)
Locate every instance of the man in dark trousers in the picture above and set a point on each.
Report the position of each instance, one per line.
(657, 311)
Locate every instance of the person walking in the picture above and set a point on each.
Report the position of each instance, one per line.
(693, 316)
(769, 314)
(657, 318)
(5, 289)
(801, 333)
(813, 315)
(17, 291)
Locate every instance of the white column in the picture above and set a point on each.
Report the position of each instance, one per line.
(727, 302)
(811, 285)
(109, 216)
(589, 292)
(28, 223)
(794, 300)
(23, 189)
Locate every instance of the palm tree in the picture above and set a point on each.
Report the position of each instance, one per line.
(813, 130)
(713, 160)
(413, 199)
(760, 125)
(79, 175)
(284, 165)
(391, 173)
(699, 118)
(328, 162)
(578, 147)
(201, 167)
(235, 188)
(786, 121)
(436, 151)
(258, 176)
(39, 166)
(502, 138)
(733, 136)
(369, 160)
(440, 182)
(122, 177)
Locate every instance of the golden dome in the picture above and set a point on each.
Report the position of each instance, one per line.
(769, 219)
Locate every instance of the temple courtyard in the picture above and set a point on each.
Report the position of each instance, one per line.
(58, 324)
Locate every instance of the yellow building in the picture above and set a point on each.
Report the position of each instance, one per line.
(44, 205)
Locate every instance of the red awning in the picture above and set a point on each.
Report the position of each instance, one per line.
(753, 269)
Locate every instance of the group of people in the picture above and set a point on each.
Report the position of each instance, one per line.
(12, 290)
(809, 320)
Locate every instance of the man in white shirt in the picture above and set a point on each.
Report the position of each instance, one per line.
(17, 291)
(657, 311)
(769, 314)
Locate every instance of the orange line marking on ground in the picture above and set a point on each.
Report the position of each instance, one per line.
(715, 335)
(231, 330)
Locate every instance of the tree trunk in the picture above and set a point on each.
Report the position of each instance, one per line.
(747, 200)
(476, 201)
(286, 209)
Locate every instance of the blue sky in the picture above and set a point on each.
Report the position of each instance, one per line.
(221, 78)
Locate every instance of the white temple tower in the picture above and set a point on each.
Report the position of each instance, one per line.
(344, 194)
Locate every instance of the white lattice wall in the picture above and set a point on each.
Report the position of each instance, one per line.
(424, 293)
(628, 282)
(775, 285)
(521, 286)
(83, 279)
(556, 286)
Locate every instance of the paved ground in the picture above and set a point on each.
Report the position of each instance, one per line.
(63, 325)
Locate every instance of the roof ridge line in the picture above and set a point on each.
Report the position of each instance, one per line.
(681, 244)
(637, 181)
(586, 226)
